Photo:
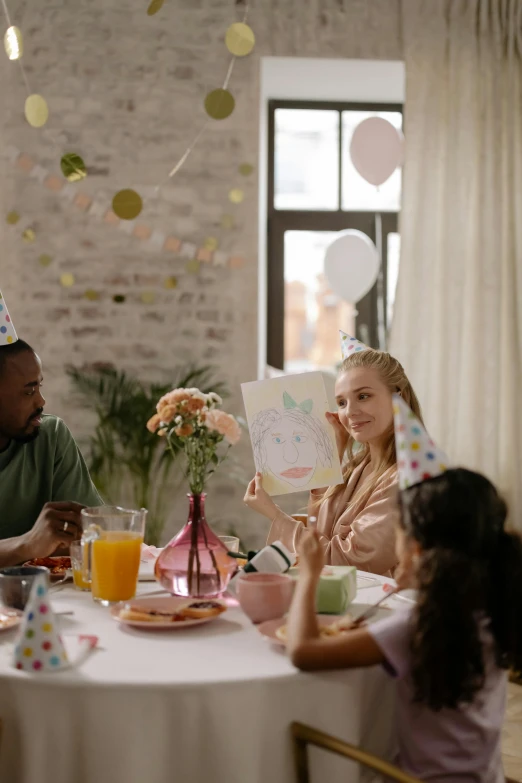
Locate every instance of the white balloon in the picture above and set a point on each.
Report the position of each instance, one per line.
(351, 265)
(376, 149)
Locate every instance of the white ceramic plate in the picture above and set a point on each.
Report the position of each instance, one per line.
(9, 618)
(169, 604)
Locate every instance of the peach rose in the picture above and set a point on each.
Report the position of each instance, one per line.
(152, 424)
(167, 412)
(194, 405)
(225, 424)
(173, 398)
(184, 430)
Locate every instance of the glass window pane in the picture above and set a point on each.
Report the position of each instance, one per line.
(306, 159)
(358, 195)
(392, 270)
(313, 314)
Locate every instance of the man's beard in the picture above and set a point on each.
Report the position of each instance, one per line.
(27, 438)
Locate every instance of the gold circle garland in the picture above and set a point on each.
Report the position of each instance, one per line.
(67, 280)
(36, 110)
(13, 43)
(127, 204)
(45, 260)
(72, 166)
(219, 104)
(240, 39)
(12, 218)
(154, 7)
(236, 196)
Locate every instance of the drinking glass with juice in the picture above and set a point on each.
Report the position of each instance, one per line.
(76, 552)
(112, 540)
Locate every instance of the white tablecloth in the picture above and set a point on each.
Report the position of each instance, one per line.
(210, 703)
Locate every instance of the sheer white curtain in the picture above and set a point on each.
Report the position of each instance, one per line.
(458, 313)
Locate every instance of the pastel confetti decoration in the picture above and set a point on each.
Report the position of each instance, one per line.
(351, 345)
(420, 459)
(40, 647)
(7, 331)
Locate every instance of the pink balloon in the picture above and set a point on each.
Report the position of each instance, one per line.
(376, 149)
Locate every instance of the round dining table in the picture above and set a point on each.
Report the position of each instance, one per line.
(211, 702)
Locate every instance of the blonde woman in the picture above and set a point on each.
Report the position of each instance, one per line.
(356, 520)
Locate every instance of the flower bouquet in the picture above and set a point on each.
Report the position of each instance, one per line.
(195, 563)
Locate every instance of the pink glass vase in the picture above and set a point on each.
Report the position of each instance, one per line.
(195, 563)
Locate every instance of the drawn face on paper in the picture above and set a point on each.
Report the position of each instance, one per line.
(291, 452)
(290, 442)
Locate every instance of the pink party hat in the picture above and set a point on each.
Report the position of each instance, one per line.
(7, 331)
(350, 345)
(418, 457)
(39, 647)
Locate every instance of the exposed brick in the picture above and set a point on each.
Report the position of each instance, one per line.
(172, 244)
(147, 280)
(131, 111)
(208, 315)
(90, 331)
(117, 280)
(218, 334)
(59, 313)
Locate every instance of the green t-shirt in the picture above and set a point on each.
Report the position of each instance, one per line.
(32, 474)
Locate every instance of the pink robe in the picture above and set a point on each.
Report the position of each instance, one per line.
(362, 535)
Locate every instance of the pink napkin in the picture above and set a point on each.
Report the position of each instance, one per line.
(149, 553)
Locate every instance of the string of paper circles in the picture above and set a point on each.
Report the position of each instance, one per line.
(127, 204)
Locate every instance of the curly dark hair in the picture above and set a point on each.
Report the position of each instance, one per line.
(470, 573)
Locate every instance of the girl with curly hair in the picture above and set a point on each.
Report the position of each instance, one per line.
(450, 652)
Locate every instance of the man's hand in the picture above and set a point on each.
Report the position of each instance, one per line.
(48, 532)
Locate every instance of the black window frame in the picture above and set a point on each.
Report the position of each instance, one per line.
(281, 220)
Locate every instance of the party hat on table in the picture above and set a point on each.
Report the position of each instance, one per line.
(7, 331)
(39, 647)
(351, 345)
(418, 457)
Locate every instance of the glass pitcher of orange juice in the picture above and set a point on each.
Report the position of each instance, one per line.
(111, 543)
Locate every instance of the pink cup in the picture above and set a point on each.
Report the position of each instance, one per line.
(265, 596)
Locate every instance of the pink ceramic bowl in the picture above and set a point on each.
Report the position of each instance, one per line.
(265, 596)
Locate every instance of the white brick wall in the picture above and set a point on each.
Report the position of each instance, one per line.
(126, 91)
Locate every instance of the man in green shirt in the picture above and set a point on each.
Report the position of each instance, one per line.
(44, 482)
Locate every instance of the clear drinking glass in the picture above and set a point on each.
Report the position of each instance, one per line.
(231, 543)
(111, 541)
(76, 552)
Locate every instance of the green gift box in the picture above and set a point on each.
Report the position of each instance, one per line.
(336, 590)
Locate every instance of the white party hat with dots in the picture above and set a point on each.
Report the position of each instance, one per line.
(39, 647)
(418, 457)
(7, 331)
(351, 345)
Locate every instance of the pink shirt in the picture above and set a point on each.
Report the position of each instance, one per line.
(361, 534)
(457, 746)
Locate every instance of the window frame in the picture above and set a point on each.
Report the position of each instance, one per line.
(281, 220)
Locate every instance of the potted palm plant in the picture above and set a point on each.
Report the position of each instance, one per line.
(125, 459)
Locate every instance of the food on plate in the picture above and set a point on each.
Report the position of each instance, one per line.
(143, 615)
(325, 631)
(196, 610)
(58, 566)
